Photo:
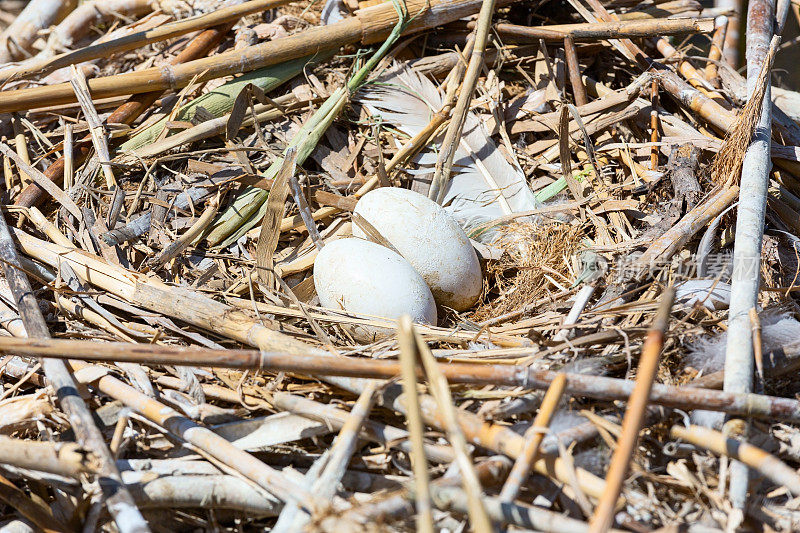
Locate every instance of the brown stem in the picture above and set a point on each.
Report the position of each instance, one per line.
(634, 416)
(137, 104)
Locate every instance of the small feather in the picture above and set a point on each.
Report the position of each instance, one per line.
(485, 185)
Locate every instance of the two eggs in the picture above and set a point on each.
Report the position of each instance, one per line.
(434, 262)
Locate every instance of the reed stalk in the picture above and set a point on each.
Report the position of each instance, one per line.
(534, 436)
(419, 463)
(43, 66)
(634, 415)
(452, 138)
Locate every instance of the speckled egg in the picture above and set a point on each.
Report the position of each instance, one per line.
(430, 239)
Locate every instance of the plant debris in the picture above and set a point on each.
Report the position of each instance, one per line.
(576, 311)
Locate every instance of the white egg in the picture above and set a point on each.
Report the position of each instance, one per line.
(363, 277)
(430, 239)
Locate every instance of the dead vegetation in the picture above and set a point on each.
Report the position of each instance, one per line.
(544, 345)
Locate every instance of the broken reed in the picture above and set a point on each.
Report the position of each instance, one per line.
(310, 361)
(727, 165)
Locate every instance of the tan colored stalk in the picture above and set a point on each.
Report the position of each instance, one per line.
(419, 464)
(711, 71)
(534, 436)
(369, 26)
(441, 392)
(21, 145)
(96, 129)
(630, 29)
(654, 125)
(692, 75)
(634, 416)
(755, 458)
(301, 358)
(452, 139)
(44, 66)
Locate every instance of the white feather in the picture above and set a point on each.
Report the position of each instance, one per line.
(485, 185)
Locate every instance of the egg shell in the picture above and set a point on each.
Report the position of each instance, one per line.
(430, 239)
(363, 277)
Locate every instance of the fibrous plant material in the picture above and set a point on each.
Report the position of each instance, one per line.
(176, 212)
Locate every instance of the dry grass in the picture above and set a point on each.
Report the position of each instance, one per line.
(531, 254)
(726, 168)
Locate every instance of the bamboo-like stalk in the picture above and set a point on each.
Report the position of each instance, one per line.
(452, 138)
(634, 415)
(578, 90)
(16, 40)
(755, 458)
(746, 275)
(711, 71)
(119, 502)
(419, 463)
(282, 353)
(654, 125)
(589, 31)
(124, 114)
(369, 26)
(691, 74)
(534, 436)
(62, 458)
(44, 66)
(478, 518)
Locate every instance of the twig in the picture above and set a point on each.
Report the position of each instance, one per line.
(452, 139)
(762, 462)
(634, 415)
(578, 90)
(715, 51)
(534, 437)
(189, 236)
(118, 500)
(408, 361)
(441, 392)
